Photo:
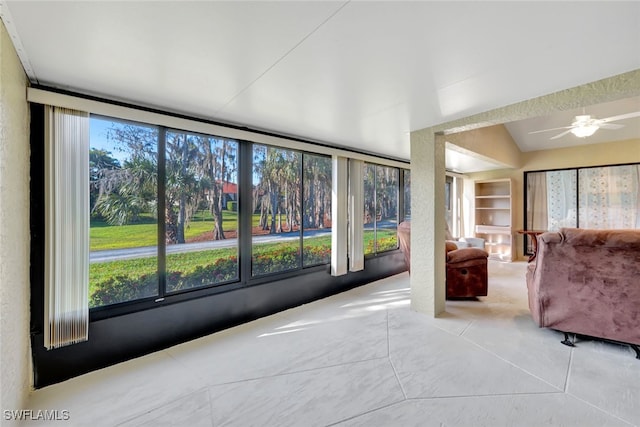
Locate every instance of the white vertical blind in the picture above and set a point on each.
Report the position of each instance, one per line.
(339, 216)
(66, 308)
(356, 215)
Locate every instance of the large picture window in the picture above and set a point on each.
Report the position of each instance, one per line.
(167, 212)
(316, 202)
(123, 236)
(381, 186)
(201, 215)
(407, 194)
(141, 248)
(291, 224)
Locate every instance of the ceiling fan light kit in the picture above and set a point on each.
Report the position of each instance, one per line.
(584, 130)
(585, 125)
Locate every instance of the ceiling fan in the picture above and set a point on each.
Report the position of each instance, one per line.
(585, 125)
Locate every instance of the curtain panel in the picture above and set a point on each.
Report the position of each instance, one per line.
(609, 197)
(66, 305)
(606, 197)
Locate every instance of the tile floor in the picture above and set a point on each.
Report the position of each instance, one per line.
(363, 358)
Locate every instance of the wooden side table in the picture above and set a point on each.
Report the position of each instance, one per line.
(534, 240)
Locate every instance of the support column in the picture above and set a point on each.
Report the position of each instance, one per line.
(427, 223)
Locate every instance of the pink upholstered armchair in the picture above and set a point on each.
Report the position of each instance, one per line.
(587, 282)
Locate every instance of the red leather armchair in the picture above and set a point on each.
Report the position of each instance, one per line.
(466, 267)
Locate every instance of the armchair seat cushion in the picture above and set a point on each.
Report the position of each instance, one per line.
(467, 273)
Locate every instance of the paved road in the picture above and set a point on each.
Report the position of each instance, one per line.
(149, 251)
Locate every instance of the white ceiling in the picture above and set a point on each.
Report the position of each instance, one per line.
(356, 74)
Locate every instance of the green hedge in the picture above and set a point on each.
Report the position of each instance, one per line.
(268, 259)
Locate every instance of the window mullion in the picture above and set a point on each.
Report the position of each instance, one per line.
(162, 224)
(301, 208)
(245, 182)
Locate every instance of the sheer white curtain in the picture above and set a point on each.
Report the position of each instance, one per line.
(551, 200)
(66, 305)
(561, 199)
(537, 201)
(355, 215)
(610, 197)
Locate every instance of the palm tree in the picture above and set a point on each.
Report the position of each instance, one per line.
(123, 193)
(127, 192)
(217, 166)
(100, 161)
(181, 184)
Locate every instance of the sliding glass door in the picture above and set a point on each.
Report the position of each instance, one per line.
(603, 197)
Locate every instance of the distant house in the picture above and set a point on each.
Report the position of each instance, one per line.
(230, 190)
(230, 194)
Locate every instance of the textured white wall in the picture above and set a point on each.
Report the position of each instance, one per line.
(15, 361)
(427, 223)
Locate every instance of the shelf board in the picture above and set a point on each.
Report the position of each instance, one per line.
(504, 209)
(495, 196)
(493, 229)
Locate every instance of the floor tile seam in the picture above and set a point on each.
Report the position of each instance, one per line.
(569, 367)
(395, 373)
(186, 366)
(515, 365)
(131, 417)
(211, 408)
(388, 335)
(598, 408)
(370, 411)
(466, 328)
(487, 395)
(301, 371)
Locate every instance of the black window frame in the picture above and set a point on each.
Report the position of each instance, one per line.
(244, 241)
(526, 241)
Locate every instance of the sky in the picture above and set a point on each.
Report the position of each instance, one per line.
(98, 137)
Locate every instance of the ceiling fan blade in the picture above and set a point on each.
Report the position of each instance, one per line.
(620, 117)
(547, 130)
(611, 126)
(561, 134)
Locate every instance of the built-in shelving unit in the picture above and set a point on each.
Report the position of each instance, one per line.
(494, 217)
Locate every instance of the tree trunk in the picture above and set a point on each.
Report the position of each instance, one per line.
(182, 214)
(218, 200)
(171, 229)
(274, 209)
(320, 207)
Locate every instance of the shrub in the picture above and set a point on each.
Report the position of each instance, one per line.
(314, 255)
(223, 270)
(123, 288)
(195, 272)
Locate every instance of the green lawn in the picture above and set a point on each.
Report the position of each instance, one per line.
(145, 232)
(122, 236)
